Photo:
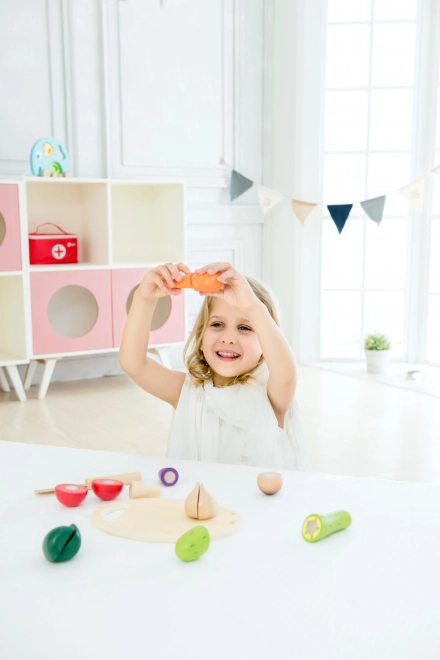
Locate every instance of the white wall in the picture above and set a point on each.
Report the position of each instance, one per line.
(137, 90)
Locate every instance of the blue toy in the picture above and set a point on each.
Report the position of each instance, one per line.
(49, 157)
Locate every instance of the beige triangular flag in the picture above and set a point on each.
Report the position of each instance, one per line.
(302, 209)
(268, 198)
(414, 193)
(436, 170)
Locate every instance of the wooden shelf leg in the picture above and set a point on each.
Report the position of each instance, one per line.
(162, 353)
(16, 381)
(49, 366)
(4, 381)
(30, 371)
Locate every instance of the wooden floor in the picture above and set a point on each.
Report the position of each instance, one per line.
(352, 426)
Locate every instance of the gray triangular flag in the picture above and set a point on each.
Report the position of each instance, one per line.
(374, 208)
(239, 184)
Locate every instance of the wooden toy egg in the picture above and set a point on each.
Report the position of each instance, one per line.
(199, 504)
(269, 482)
(71, 494)
(139, 489)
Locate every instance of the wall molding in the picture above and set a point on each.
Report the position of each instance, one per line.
(202, 175)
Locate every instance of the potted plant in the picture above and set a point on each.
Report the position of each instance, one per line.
(377, 351)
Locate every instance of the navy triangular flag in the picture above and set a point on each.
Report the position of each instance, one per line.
(374, 208)
(339, 213)
(239, 184)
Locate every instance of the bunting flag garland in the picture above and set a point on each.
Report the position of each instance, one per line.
(339, 213)
(268, 198)
(414, 192)
(239, 185)
(302, 209)
(374, 208)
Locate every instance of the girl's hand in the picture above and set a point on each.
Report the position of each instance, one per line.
(153, 286)
(236, 290)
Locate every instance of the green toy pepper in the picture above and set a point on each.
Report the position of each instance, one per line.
(317, 527)
(193, 544)
(62, 543)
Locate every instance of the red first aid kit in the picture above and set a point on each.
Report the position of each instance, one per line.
(61, 248)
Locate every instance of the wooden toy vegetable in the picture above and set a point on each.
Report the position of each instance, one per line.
(317, 527)
(269, 482)
(126, 478)
(138, 489)
(198, 282)
(107, 489)
(199, 504)
(71, 494)
(62, 543)
(168, 476)
(193, 544)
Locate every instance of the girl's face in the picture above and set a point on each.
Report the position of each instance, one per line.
(229, 334)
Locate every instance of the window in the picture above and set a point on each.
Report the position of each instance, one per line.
(433, 338)
(369, 101)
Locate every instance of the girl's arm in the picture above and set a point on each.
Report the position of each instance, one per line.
(278, 355)
(154, 378)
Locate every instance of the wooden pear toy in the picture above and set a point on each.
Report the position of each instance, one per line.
(199, 504)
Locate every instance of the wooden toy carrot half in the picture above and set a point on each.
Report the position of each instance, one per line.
(204, 282)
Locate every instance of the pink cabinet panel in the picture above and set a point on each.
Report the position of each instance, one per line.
(168, 323)
(10, 245)
(71, 311)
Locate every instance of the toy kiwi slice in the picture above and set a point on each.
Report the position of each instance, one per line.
(316, 527)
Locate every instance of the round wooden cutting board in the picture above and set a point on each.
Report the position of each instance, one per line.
(159, 520)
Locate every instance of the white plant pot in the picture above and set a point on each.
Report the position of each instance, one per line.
(377, 361)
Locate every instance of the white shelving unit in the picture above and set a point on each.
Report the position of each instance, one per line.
(48, 312)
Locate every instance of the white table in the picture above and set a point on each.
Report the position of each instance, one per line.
(370, 592)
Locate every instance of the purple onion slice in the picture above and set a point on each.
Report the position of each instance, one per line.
(168, 476)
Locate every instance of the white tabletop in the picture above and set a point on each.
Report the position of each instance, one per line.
(370, 592)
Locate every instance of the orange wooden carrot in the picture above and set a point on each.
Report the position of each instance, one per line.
(206, 283)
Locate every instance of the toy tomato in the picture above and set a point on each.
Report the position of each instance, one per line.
(107, 489)
(70, 494)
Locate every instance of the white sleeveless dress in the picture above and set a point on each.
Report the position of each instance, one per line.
(236, 425)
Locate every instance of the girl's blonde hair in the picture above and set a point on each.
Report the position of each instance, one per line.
(195, 362)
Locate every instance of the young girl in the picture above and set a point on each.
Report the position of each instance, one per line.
(236, 402)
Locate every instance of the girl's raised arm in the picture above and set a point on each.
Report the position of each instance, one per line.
(154, 378)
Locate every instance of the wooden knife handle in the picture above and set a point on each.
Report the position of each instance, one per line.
(126, 478)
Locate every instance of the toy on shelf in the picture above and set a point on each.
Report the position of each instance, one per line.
(168, 476)
(269, 482)
(126, 478)
(107, 489)
(52, 247)
(61, 543)
(205, 283)
(199, 504)
(317, 527)
(71, 494)
(193, 544)
(138, 489)
(49, 157)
